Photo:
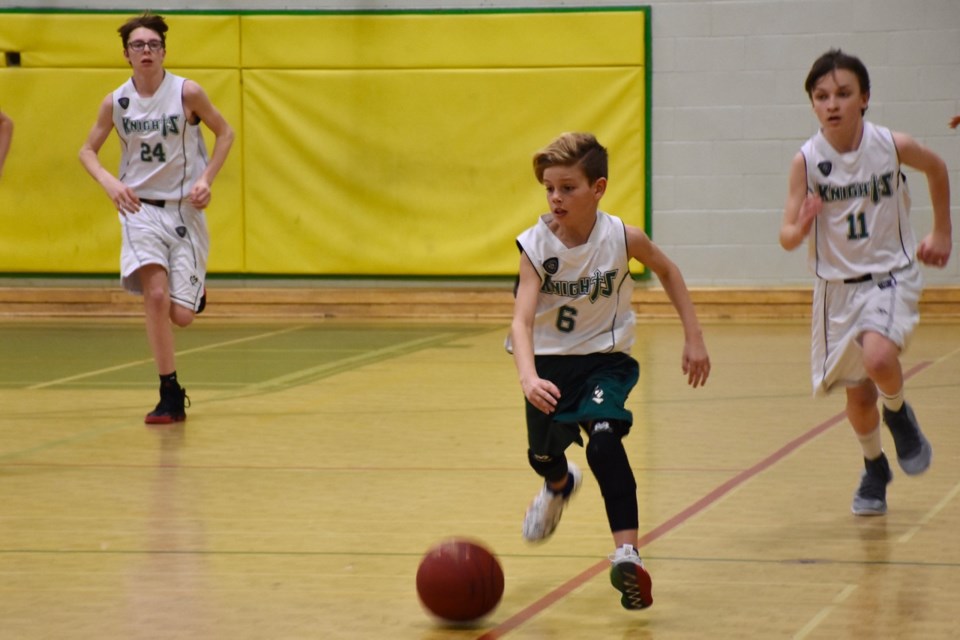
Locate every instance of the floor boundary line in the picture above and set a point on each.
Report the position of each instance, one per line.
(710, 498)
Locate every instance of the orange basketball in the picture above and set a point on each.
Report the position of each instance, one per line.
(459, 580)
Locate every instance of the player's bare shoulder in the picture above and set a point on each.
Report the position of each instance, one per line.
(638, 242)
(195, 101)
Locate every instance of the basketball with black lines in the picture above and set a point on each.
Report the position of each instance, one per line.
(459, 580)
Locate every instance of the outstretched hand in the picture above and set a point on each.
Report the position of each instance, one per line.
(954, 122)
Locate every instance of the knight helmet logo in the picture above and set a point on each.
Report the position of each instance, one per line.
(551, 265)
(825, 167)
(181, 231)
(124, 102)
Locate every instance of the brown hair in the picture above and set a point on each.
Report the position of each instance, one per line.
(573, 149)
(833, 60)
(147, 20)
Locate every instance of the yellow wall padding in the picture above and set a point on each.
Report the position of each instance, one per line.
(420, 172)
(368, 144)
(450, 41)
(83, 40)
(54, 216)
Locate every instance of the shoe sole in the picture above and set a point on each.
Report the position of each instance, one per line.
(868, 511)
(919, 463)
(164, 419)
(633, 581)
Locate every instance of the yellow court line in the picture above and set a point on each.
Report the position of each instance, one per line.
(931, 514)
(337, 364)
(127, 365)
(947, 356)
(937, 508)
(823, 613)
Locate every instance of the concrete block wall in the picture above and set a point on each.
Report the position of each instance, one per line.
(729, 110)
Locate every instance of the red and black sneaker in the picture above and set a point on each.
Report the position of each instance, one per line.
(630, 578)
(171, 408)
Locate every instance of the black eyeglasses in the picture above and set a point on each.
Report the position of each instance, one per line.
(140, 45)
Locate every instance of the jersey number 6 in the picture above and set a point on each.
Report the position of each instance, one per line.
(566, 319)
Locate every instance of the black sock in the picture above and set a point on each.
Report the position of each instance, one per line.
(568, 488)
(169, 381)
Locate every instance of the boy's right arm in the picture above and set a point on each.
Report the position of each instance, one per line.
(123, 198)
(801, 207)
(541, 393)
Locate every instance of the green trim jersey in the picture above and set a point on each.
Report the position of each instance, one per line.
(162, 155)
(864, 227)
(585, 293)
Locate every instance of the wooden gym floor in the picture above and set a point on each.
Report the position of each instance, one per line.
(321, 458)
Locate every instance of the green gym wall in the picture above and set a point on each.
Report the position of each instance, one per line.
(370, 144)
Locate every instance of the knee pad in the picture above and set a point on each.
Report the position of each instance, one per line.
(608, 461)
(551, 468)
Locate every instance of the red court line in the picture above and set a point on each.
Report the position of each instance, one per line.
(529, 612)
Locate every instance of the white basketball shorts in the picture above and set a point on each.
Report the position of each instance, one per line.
(886, 303)
(174, 237)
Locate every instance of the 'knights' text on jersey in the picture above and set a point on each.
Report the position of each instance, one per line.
(864, 227)
(162, 154)
(585, 293)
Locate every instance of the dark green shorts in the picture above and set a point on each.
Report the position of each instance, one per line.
(592, 387)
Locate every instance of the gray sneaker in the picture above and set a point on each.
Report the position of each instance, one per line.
(871, 496)
(914, 452)
(543, 514)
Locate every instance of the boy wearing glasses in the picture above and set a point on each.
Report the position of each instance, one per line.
(160, 192)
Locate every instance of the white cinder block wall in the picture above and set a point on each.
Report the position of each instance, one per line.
(729, 110)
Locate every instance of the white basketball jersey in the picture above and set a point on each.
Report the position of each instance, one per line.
(864, 227)
(162, 155)
(585, 291)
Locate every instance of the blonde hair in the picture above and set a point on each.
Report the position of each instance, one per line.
(570, 150)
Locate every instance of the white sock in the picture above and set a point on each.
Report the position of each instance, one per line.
(893, 402)
(870, 443)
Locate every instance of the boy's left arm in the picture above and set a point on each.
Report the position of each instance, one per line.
(934, 250)
(696, 360)
(198, 104)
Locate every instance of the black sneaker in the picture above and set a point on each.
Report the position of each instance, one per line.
(871, 497)
(170, 409)
(203, 302)
(914, 453)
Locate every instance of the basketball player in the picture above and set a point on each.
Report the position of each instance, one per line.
(163, 185)
(572, 330)
(6, 137)
(847, 193)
